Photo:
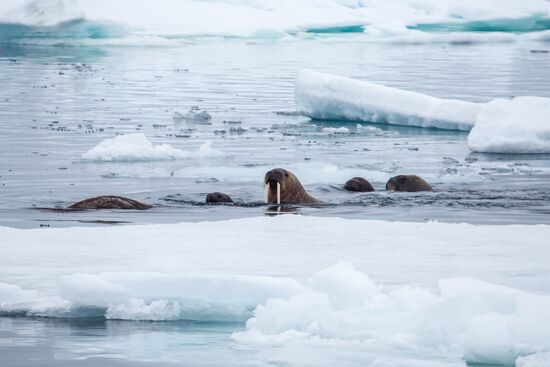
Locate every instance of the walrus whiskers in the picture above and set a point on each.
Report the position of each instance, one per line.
(278, 193)
(266, 193)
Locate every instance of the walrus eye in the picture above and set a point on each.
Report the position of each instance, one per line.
(286, 174)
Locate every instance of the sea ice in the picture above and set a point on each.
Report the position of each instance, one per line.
(477, 321)
(279, 18)
(261, 275)
(194, 115)
(519, 125)
(331, 97)
(136, 147)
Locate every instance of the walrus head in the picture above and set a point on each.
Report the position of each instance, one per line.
(282, 187)
(358, 184)
(218, 197)
(410, 183)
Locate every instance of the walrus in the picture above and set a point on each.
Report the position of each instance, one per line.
(409, 183)
(358, 184)
(218, 197)
(110, 202)
(282, 187)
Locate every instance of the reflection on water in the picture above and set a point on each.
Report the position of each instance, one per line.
(106, 343)
(100, 342)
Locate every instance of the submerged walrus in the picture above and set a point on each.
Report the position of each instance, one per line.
(218, 197)
(410, 183)
(358, 184)
(282, 187)
(110, 202)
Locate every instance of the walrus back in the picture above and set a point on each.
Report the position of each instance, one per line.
(109, 202)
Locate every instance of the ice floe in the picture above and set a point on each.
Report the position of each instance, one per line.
(331, 97)
(137, 147)
(519, 125)
(405, 293)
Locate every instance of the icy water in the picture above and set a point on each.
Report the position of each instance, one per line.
(56, 103)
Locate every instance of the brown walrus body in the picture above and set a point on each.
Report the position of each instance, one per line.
(358, 184)
(292, 191)
(409, 183)
(218, 198)
(110, 202)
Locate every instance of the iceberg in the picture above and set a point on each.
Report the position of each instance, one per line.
(519, 125)
(332, 97)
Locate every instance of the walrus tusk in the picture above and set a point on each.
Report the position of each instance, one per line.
(266, 193)
(278, 193)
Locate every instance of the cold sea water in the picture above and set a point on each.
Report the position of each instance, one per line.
(58, 101)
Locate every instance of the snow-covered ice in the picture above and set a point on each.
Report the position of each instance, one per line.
(332, 97)
(137, 147)
(275, 19)
(477, 321)
(519, 125)
(407, 287)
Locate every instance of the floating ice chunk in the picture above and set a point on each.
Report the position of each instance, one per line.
(178, 116)
(137, 309)
(371, 130)
(331, 97)
(520, 125)
(136, 147)
(194, 115)
(336, 130)
(206, 151)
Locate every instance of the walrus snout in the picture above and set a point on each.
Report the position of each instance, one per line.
(275, 176)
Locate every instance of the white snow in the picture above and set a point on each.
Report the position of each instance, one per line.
(519, 125)
(331, 97)
(477, 321)
(40, 12)
(414, 302)
(137, 147)
(534, 360)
